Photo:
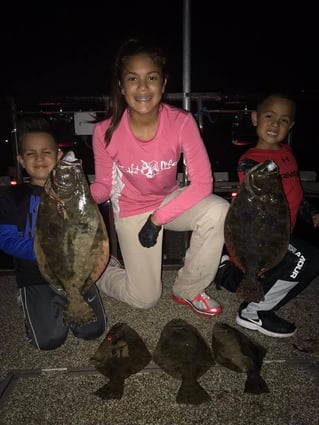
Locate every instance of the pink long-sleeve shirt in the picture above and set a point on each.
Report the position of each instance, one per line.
(137, 175)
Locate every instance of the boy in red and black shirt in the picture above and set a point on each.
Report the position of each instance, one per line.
(274, 117)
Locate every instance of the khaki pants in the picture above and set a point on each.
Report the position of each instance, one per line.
(139, 284)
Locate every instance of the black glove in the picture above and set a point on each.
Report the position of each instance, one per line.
(148, 233)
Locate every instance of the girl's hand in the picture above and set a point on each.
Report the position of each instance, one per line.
(149, 232)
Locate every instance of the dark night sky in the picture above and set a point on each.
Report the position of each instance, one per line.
(66, 49)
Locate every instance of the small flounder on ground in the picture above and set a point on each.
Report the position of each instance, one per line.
(257, 227)
(121, 354)
(183, 353)
(71, 241)
(235, 351)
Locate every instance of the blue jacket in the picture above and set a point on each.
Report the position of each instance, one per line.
(18, 213)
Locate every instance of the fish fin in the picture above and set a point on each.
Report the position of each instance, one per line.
(250, 291)
(87, 285)
(78, 314)
(102, 259)
(246, 164)
(191, 392)
(255, 383)
(229, 364)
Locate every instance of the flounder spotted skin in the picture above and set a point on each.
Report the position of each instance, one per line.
(71, 241)
(121, 354)
(183, 353)
(257, 227)
(235, 351)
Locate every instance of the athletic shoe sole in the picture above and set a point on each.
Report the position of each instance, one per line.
(189, 304)
(256, 327)
(114, 261)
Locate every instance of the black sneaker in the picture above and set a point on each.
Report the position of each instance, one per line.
(228, 276)
(268, 323)
(224, 262)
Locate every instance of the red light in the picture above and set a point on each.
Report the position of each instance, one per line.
(237, 142)
(13, 182)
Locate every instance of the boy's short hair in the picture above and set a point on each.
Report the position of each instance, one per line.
(33, 124)
(275, 93)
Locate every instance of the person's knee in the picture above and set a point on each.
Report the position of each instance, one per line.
(216, 211)
(46, 337)
(221, 209)
(91, 331)
(49, 343)
(146, 305)
(213, 217)
(145, 302)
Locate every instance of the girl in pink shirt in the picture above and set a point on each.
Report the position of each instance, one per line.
(136, 153)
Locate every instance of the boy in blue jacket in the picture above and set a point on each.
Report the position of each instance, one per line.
(42, 303)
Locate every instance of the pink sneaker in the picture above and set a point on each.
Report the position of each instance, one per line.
(202, 304)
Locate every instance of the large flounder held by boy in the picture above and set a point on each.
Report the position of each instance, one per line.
(257, 227)
(71, 241)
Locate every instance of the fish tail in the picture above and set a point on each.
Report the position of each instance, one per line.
(255, 383)
(80, 313)
(111, 390)
(250, 291)
(191, 392)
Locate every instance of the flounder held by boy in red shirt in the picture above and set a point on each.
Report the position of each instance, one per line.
(71, 241)
(257, 227)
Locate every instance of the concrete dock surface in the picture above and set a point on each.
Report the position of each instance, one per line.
(57, 387)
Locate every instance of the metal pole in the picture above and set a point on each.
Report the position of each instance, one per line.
(14, 138)
(186, 55)
(186, 86)
(186, 67)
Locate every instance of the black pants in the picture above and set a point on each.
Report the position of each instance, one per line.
(43, 307)
(282, 283)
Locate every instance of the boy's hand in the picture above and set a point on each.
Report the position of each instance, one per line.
(315, 220)
(149, 232)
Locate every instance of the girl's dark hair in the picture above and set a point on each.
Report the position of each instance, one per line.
(129, 48)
